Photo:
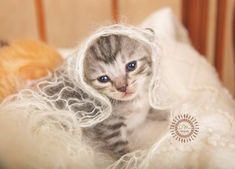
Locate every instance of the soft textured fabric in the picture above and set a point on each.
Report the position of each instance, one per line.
(49, 136)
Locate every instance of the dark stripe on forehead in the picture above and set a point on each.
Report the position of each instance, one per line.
(116, 43)
(94, 52)
(106, 48)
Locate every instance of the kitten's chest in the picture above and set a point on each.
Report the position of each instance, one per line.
(134, 112)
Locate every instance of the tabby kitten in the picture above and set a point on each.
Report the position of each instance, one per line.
(119, 68)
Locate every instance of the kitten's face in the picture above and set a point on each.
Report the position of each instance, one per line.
(118, 67)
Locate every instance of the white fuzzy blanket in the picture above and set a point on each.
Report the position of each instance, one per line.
(35, 133)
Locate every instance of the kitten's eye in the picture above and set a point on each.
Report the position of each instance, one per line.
(103, 79)
(131, 66)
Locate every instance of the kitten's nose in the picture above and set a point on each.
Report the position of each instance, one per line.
(121, 84)
(122, 89)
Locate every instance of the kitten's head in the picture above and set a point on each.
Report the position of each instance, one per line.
(118, 67)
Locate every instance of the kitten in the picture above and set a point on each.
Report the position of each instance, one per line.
(119, 68)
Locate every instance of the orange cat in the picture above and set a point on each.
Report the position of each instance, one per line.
(22, 61)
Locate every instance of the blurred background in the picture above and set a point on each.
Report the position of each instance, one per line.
(65, 23)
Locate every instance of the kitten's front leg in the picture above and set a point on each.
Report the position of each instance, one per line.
(112, 133)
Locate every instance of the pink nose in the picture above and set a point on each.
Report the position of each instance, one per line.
(122, 89)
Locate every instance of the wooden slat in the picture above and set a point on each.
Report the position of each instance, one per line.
(195, 19)
(220, 33)
(40, 20)
(211, 32)
(115, 11)
(234, 31)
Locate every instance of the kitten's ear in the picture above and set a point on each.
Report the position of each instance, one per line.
(150, 34)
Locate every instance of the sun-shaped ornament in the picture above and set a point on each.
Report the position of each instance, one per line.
(184, 128)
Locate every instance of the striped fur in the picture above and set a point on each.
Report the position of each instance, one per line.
(106, 48)
(110, 55)
(110, 136)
